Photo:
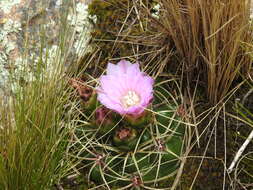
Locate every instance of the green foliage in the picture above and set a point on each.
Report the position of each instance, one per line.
(34, 125)
(33, 136)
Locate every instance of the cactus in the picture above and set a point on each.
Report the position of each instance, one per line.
(143, 156)
(124, 155)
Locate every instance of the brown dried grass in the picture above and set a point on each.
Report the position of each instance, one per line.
(208, 37)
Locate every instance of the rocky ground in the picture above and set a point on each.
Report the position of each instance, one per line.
(23, 20)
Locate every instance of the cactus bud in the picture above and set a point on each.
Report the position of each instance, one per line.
(104, 120)
(136, 181)
(125, 138)
(86, 93)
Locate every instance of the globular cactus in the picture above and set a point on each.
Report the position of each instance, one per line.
(125, 151)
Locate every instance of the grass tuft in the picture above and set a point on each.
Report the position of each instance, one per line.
(34, 121)
(208, 37)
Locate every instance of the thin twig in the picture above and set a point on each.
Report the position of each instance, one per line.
(240, 151)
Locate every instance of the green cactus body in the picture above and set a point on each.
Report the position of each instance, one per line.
(154, 164)
(138, 161)
(104, 172)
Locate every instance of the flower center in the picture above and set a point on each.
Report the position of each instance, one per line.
(130, 99)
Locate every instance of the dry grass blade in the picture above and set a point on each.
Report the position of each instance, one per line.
(208, 37)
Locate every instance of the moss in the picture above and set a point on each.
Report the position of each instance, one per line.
(111, 20)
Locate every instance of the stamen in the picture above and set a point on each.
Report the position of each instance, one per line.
(130, 99)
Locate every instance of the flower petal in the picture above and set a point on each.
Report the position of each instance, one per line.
(112, 69)
(133, 69)
(110, 103)
(123, 66)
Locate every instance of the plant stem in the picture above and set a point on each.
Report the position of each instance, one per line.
(240, 151)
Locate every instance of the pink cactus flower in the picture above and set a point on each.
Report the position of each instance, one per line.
(125, 89)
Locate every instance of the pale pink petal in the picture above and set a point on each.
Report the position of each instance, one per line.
(123, 66)
(135, 110)
(109, 103)
(133, 69)
(112, 69)
(108, 83)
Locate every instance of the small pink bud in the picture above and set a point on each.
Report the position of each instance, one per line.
(104, 119)
(124, 133)
(136, 181)
(86, 93)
